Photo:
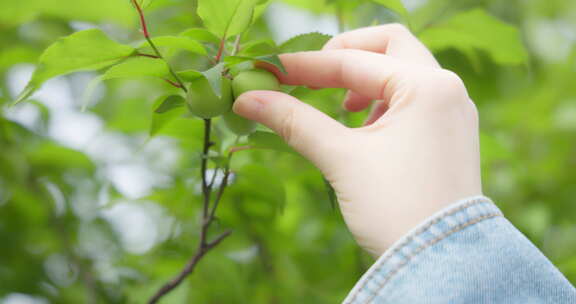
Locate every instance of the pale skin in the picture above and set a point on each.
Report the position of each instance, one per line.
(418, 151)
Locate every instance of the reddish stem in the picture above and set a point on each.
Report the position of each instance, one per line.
(173, 83)
(220, 49)
(148, 55)
(142, 19)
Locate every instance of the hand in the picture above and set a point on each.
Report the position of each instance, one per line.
(418, 151)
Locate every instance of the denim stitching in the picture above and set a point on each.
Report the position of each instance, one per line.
(422, 229)
(395, 270)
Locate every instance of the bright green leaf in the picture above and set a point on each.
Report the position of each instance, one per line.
(259, 48)
(189, 75)
(137, 67)
(178, 42)
(305, 42)
(166, 109)
(200, 34)
(81, 51)
(226, 18)
(214, 77)
(271, 59)
(476, 30)
(131, 68)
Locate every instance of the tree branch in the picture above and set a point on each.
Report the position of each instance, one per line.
(189, 268)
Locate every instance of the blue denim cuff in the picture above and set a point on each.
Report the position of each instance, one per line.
(444, 223)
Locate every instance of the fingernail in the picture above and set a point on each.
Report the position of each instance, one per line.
(248, 106)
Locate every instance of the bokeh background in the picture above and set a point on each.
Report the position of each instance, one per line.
(93, 210)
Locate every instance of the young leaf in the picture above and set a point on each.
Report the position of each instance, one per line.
(131, 68)
(189, 75)
(259, 48)
(214, 77)
(271, 59)
(85, 50)
(226, 18)
(305, 42)
(201, 34)
(167, 109)
(269, 141)
(477, 30)
(394, 5)
(178, 42)
(137, 67)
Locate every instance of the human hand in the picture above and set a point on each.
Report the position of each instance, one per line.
(418, 151)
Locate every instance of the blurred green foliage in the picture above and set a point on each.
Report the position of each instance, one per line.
(94, 210)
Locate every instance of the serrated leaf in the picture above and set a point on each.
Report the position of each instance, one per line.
(477, 30)
(226, 18)
(259, 48)
(178, 42)
(394, 5)
(231, 61)
(214, 77)
(82, 51)
(166, 109)
(200, 34)
(305, 42)
(269, 141)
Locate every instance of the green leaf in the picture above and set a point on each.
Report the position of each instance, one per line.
(475, 30)
(226, 18)
(189, 75)
(214, 77)
(170, 103)
(269, 141)
(305, 42)
(51, 156)
(137, 67)
(178, 42)
(131, 68)
(231, 61)
(259, 48)
(200, 34)
(81, 51)
(166, 109)
(394, 5)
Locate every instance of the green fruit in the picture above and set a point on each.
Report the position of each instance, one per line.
(203, 102)
(245, 81)
(238, 124)
(256, 79)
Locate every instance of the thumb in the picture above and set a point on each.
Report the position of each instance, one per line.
(309, 131)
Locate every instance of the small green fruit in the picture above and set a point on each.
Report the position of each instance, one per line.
(256, 79)
(245, 81)
(203, 102)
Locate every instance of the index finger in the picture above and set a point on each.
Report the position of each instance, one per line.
(370, 74)
(391, 39)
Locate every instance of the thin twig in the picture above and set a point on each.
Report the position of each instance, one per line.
(220, 49)
(189, 268)
(146, 34)
(147, 55)
(177, 85)
(206, 188)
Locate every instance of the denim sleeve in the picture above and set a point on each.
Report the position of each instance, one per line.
(466, 253)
